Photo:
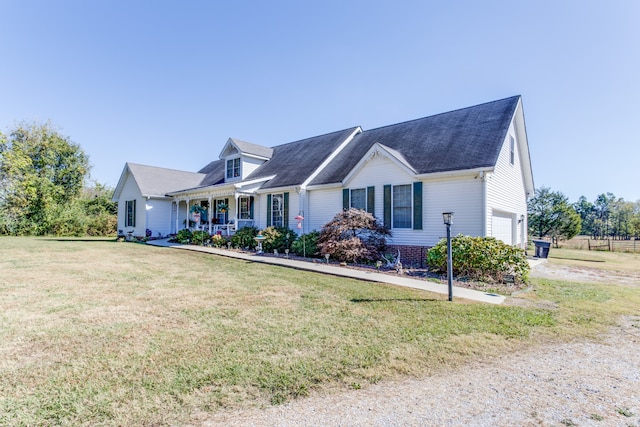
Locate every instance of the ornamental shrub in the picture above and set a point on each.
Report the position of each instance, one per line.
(199, 237)
(353, 235)
(307, 244)
(480, 258)
(183, 236)
(217, 241)
(244, 238)
(279, 238)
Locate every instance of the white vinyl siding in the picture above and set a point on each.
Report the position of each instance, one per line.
(159, 216)
(130, 192)
(505, 187)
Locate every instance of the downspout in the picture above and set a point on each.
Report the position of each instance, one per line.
(483, 178)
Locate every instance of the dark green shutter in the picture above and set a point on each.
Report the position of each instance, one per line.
(251, 207)
(417, 205)
(285, 213)
(345, 199)
(268, 210)
(371, 200)
(387, 206)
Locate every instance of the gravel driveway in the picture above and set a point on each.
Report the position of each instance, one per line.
(587, 383)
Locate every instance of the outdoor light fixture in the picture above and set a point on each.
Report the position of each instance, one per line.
(447, 217)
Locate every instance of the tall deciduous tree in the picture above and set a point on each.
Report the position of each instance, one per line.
(551, 215)
(41, 171)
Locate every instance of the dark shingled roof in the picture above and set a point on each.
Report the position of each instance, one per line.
(468, 138)
(294, 162)
(215, 173)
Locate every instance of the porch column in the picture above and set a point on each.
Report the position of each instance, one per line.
(237, 197)
(186, 223)
(211, 213)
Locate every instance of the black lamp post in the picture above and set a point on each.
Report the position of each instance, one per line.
(448, 220)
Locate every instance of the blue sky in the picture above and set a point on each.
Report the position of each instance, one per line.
(167, 83)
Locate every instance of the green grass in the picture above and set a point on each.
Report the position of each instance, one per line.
(98, 332)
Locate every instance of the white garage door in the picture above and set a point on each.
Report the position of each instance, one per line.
(502, 227)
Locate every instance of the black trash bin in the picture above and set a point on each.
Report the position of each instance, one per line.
(542, 248)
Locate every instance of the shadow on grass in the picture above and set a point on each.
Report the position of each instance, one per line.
(361, 300)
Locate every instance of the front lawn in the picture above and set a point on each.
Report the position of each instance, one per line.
(99, 332)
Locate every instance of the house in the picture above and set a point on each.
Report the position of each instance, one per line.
(473, 161)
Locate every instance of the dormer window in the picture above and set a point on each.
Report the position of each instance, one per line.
(233, 168)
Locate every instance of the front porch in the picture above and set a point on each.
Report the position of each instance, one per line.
(216, 214)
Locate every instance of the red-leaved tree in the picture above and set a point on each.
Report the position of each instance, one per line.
(353, 235)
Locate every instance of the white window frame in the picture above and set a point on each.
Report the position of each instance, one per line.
(233, 168)
(130, 213)
(402, 225)
(277, 197)
(245, 207)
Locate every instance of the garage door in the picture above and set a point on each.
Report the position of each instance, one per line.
(502, 227)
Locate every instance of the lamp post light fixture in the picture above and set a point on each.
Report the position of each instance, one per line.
(448, 220)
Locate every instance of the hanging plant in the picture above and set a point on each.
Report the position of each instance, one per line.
(197, 208)
(223, 207)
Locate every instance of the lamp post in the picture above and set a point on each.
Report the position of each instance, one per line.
(448, 220)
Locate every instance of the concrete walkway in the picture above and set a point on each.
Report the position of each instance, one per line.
(324, 268)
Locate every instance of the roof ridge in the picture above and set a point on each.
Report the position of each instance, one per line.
(162, 167)
(316, 136)
(446, 112)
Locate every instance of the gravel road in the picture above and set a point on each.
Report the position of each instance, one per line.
(586, 383)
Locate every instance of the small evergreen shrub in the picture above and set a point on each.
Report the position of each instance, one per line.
(278, 238)
(183, 236)
(199, 237)
(244, 238)
(480, 258)
(307, 244)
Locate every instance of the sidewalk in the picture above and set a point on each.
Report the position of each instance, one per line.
(334, 270)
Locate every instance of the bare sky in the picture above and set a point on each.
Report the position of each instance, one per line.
(166, 83)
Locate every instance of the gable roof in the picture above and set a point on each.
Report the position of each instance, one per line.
(157, 182)
(468, 138)
(250, 149)
(294, 162)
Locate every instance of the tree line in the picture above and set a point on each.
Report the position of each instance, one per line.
(45, 187)
(552, 215)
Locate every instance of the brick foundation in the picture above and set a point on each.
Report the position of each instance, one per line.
(410, 256)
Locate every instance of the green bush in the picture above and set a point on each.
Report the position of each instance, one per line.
(306, 244)
(244, 238)
(277, 238)
(199, 237)
(183, 236)
(480, 258)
